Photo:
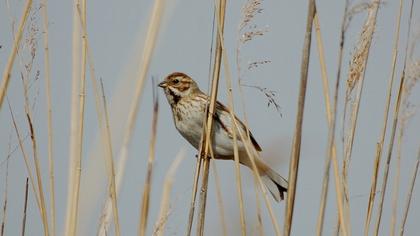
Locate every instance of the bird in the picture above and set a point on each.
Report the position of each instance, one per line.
(188, 104)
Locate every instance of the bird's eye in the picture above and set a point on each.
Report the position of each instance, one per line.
(176, 81)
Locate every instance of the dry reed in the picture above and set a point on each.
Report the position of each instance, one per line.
(25, 207)
(295, 153)
(10, 62)
(44, 11)
(207, 135)
(355, 80)
(393, 129)
(148, 48)
(167, 186)
(409, 194)
(145, 202)
(380, 144)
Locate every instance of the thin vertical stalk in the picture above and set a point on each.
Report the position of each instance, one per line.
(74, 158)
(148, 48)
(209, 124)
(38, 174)
(7, 73)
(394, 128)
(396, 189)
(379, 146)
(409, 194)
(167, 186)
(144, 213)
(25, 158)
(325, 181)
(6, 188)
(331, 155)
(49, 114)
(220, 37)
(295, 154)
(110, 163)
(25, 207)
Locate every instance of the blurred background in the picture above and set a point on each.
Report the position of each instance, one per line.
(116, 32)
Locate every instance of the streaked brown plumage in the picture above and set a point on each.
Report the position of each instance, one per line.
(188, 104)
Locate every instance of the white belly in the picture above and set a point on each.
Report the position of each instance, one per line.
(191, 127)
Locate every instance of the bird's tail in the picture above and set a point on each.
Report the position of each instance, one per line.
(276, 184)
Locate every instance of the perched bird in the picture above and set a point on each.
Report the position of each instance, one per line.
(188, 104)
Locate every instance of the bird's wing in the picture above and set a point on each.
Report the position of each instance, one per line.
(223, 118)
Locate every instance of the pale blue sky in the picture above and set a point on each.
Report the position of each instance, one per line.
(116, 30)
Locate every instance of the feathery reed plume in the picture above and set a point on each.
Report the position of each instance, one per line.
(31, 46)
(148, 48)
(394, 126)
(248, 146)
(145, 202)
(25, 207)
(44, 12)
(356, 78)
(10, 62)
(167, 187)
(295, 153)
(379, 146)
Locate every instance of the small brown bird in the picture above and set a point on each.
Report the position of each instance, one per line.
(188, 104)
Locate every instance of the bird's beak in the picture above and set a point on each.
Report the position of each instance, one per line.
(163, 84)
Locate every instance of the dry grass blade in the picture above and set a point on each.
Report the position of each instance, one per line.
(219, 199)
(295, 154)
(409, 194)
(49, 114)
(25, 207)
(148, 48)
(6, 187)
(325, 181)
(248, 146)
(77, 115)
(394, 128)
(331, 154)
(167, 186)
(9, 66)
(380, 144)
(110, 162)
(38, 175)
(26, 160)
(206, 136)
(144, 213)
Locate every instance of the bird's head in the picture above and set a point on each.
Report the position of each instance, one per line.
(178, 85)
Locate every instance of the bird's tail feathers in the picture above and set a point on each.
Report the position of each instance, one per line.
(276, 184)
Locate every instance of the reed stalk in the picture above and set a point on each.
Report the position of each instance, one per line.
(295, 153)
(410, 194)
(25, 207)
(144, 212)
(167, 187)
(148, 49)
(7, 73)
(220, 16)
(379, 146)
(44, 11)
(393, 129)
